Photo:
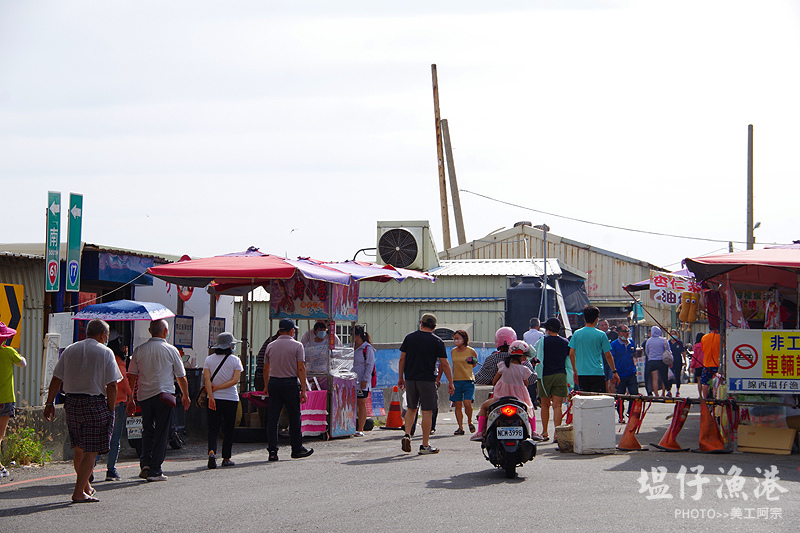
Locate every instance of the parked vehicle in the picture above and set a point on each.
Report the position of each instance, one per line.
(507, 442)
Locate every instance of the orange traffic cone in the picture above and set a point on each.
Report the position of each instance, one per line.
(710, 438)
(629, 442)
(668, 442)
(394, 420)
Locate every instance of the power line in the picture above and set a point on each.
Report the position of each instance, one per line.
(604, 225)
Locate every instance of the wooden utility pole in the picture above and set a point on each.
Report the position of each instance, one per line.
(750, 229)
(440, 156)
(451, 170)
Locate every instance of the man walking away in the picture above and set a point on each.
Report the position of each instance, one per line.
(285, 372)
(155, 366)
(88, 373)
(586, 351)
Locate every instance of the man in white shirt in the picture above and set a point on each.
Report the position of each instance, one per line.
(88, 373)
(155, 366)
(533, 335)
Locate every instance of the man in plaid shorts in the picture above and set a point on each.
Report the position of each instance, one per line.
(88, 373)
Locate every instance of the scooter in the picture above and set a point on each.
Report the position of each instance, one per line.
(507, 442)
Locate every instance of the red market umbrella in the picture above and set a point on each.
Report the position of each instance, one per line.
(242, 269)
(366, 271)
(758, 268)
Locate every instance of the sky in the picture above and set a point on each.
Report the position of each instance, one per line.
(202, 128)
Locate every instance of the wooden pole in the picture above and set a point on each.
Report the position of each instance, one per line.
(440, 156)
(451, 170)
(750, 230)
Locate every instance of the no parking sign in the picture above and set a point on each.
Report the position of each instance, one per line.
(763, 361)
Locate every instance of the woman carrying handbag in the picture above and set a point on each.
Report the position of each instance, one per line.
(221, 373)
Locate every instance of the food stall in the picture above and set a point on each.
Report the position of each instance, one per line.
(303, 289)
(754, 297)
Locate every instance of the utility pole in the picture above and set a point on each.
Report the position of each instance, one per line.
(750, 229)
(451, 170)
(440, 156)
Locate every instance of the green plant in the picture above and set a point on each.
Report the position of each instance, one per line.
(23, 447)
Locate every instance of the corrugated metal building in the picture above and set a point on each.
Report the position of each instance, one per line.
(467, 294)
(606, 271)
(27, 270)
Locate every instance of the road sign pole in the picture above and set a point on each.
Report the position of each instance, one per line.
(53, 240)
(75, 217)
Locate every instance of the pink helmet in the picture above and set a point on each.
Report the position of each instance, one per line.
(504, 335)
(519, 347)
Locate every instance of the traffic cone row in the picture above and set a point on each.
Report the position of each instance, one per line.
(710, 437)
(394, 419)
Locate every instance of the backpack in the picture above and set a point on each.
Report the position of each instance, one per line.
(374, 373)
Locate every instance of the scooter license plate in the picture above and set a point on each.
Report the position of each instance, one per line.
(133, 425)
(514, 432)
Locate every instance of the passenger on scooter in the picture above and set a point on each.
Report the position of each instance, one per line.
(509, 381)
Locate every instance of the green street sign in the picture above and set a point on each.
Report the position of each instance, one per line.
(74, 218)
(53, 240)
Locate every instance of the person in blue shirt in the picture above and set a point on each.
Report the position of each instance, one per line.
(587, 348)
(624, 352)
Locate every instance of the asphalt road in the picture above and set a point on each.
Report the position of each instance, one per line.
(370, 484)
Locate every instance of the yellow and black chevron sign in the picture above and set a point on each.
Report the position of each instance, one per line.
(11, 309)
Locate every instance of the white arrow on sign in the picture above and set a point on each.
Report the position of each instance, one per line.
(76, 211)
(55, 208)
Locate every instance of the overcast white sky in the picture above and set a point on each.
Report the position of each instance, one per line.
(202, 128)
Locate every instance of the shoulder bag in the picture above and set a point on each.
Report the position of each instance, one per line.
(202, 396)
(666, 357)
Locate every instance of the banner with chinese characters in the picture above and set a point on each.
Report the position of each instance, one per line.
(763, 361)
(298, 297)
(754, 303)
(666, 288)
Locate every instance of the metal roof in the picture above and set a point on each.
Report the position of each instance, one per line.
(502, 267)
(37, 251)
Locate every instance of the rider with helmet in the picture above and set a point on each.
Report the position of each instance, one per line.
(503, 339)
(509, 381)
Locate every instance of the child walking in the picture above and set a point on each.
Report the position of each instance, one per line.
(509, 381)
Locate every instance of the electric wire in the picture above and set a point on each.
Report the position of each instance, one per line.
(610, 226)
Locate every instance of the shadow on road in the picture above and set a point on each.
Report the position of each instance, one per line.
(471, 480)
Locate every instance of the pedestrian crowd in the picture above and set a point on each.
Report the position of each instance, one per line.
(100, 390)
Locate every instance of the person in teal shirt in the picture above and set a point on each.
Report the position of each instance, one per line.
(587, 348)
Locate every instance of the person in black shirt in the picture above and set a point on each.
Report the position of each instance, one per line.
(553, 384)
(418, 355)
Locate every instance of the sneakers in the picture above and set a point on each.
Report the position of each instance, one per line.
(159, 477)
(111, 475)
(304, 452)
(427, 450)
(4, 472)
(212, 461)
(145, 472)
(433, 432)
(405, 444)
(227, 462)
(477, 437)
(358, 434)
(273, 456)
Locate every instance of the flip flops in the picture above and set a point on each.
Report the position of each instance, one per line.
(459, 431)
(471, 428)
(90, 499)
